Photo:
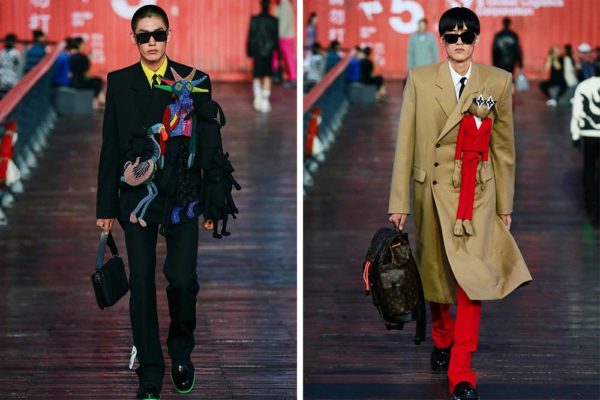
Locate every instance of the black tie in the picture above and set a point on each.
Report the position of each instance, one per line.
(154, 80)
(462, 86)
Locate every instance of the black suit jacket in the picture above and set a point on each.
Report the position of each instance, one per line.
(131, 103)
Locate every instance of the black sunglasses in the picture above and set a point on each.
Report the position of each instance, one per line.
(144, 37)
(467, 37)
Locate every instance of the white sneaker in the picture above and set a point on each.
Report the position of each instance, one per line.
(258, 99)
(266, 104)
(552, 103)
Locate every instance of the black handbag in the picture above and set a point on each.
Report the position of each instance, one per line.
(392, 278)
(109, 280)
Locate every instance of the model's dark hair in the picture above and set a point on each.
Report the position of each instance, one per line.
(506, 22)
(149, 11)
(264, 5)
(458, 17)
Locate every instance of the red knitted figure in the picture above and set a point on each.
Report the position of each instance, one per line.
(470, 161)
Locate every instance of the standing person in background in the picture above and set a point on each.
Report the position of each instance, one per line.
(10, 63)
(585, 131)
(263, 40)
(61, 73)
(368, 77)
(80, 67)
(422, 47)
(586, 62)
(506, 50)
(287, 40)
(554, 65)
(570, 67)
(333, 55)
(133, 102)
(37, 51)
(311, 32)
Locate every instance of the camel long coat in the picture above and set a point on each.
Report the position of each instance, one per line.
(488, 265)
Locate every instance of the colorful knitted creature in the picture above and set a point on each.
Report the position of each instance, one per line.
(8, 170)
(178, 117)
(471, 160)
(144, 147)
(179, 145)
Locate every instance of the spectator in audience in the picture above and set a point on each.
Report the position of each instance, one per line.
(570, 67)
(422, 47)
(37, 51)
(353, 70)
(597, 59)
(506, 50)
(368, 77)
(586, 60)
(315, 67)
(333, 55)
(585, 131)
(10, 61)
(311, 32)
(80, 79)
(554, 64)
(263, 40)
(61, 74)
(287, 39)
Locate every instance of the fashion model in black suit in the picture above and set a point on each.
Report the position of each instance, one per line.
(132, 103)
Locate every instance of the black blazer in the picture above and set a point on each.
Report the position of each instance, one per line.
(131, 103)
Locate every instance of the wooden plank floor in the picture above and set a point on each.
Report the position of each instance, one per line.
(542, 342)
(57, 344)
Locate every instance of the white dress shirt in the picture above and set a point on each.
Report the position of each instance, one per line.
(456, 77)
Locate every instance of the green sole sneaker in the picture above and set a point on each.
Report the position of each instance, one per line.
(184, 391)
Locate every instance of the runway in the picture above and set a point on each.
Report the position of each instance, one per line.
(56, 343)
(541, 342)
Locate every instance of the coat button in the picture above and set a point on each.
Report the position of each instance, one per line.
(436, 164)
(435, 182)
(438, 145)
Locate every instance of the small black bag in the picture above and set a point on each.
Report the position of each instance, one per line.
(109, 280)
(392, 278)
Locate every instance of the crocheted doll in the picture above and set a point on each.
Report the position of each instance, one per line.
(180, 180)
(218, 180)
(471, 160)
(144, 147)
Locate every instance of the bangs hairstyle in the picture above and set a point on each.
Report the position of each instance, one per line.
(458, 17)
(148, 11)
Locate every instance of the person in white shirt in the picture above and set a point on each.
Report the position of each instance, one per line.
(585, 131)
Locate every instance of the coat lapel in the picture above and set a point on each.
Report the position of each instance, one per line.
(446, 96)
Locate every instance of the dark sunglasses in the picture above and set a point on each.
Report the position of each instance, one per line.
(467, 37)
(144, 37)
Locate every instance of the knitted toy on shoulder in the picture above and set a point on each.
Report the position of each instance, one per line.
(471, 160)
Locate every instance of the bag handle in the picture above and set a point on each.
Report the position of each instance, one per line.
(105, 240)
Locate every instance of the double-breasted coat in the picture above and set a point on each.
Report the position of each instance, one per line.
(487, 265)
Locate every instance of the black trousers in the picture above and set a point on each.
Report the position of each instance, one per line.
(546, 85)
(591, 175)
(182, 291)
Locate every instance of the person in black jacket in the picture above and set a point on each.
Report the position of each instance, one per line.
(506, 53)
(263, 40)
(131, 104)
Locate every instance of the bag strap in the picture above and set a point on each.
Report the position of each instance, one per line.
(104, 241)
(221, 114)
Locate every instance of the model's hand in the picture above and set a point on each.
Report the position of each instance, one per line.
(398, 220)
(105, 224)
(506, 220)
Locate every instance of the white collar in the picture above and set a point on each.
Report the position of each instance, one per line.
(456, 77)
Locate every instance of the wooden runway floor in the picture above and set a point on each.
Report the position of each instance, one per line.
(57, 344)
(541, 342)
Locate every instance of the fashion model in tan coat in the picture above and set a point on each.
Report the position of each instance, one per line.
(486, 265)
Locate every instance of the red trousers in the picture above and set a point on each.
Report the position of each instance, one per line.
(461, 334)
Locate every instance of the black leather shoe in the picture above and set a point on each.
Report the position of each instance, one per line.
(148, 392)
(464, 391)
(440, 359)
(183, 377)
